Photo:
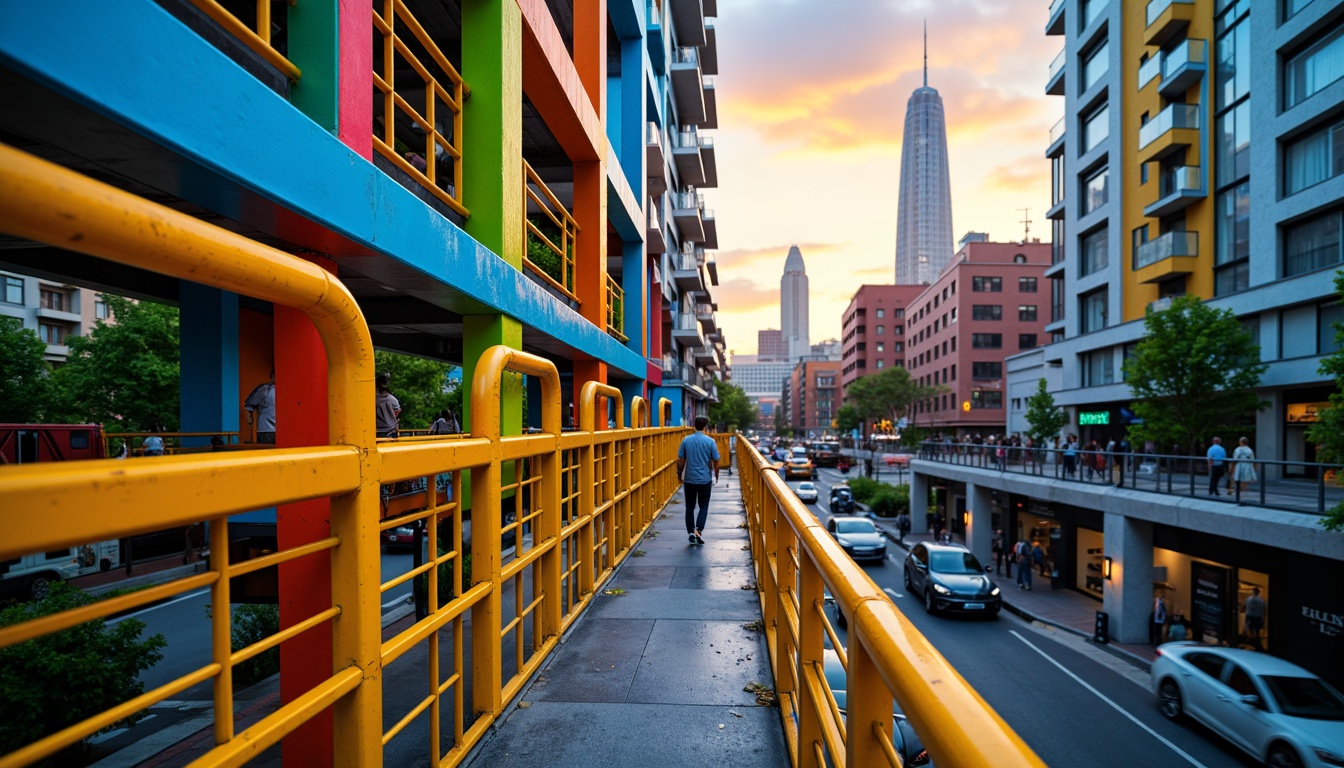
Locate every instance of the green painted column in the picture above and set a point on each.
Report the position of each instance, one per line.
(314, 47)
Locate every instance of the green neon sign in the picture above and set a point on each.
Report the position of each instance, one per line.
(1094, 418)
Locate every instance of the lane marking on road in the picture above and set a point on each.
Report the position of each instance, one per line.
(892, 592)
(406, 598)
(100, 738)
(1103, 697)
(187, 596)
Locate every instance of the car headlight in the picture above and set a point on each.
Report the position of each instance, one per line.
(404, 531)
(994, 592)
(842, 541)
(1328, 757)
(940, 589)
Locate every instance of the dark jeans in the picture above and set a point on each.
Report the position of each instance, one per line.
(1216, 474)
(696, 493)
(266, 438)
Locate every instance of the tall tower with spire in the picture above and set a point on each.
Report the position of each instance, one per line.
(793, 306)
(924, 212)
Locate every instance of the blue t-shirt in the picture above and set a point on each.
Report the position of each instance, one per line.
(698, 449)
(1217, 454)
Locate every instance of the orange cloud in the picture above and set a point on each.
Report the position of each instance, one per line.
(1026, 172)
(741, 295)
(746, 258)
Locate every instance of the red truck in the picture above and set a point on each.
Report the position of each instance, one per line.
(28, 443)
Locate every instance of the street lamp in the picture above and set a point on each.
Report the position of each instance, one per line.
(1106, 568)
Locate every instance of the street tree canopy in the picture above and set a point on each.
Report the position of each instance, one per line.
(1328, 432)
(848, 418)
(734, 409)
(1046, 420)
(23, 373)
(889, 395)
(421, 386)
(1194, 375)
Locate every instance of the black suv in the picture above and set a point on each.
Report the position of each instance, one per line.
(950, 578)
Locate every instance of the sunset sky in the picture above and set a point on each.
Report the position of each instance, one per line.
(811, 99)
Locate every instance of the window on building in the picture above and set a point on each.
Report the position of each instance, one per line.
(53, 300)
(1026, 285)
(881, 313)
(100, 310)
(1091, 10)
(1096, 127)
(13, 290)
(1057, 241)
(985, 284)
(1026, 313)
(1096, 190)
(1092, 311)
(986, 370)
(1312, 244)
(1329, 314)
(1056, 301)
(1095, 63)
(986, 399)
(881, 329)
(954, 372)
(1026, 341)
(1233, 55)
(1231, 256)
(880, 346)
(1058, 180)
(986, 340)
(1313, 158)
(1233, 151)
(1291, 7)
(1318, 65)
(954, 343)
(880, 364)
(1095, 253)
(51, 333)
(987, 312)
(898, 347)
(900, 313)
(1098, 368)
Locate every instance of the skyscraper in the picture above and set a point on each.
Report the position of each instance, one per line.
(924, 214)
(793, 306)
(770, 345)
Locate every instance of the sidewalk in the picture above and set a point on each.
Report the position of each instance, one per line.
(1063, 608)
(654, 675)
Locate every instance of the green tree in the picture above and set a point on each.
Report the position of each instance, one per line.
(57, 680)
(421, 386)
(23, 373)
(848, 418)
(734, 410)
(1044, 417)
(124, 374)
(891, 394)
(1328, 433)
(1193, 375)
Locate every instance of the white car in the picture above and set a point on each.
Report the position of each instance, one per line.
(807, 492)
(1276, 711)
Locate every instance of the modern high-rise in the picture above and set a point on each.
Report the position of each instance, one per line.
(793, 306)
(924, 213)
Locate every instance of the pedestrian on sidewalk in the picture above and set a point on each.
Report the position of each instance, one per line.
(1244, 471)
(996, 545)
(260, 407)
(1217, 458)
(1023, 553)
(903, 526)
(698, 466)
(1159, 616)
(387, 409)
(1254, 609)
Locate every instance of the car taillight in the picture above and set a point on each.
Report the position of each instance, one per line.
(1157, 651)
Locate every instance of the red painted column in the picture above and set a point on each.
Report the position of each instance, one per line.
(305, 584)
(354, 127)
(590, 186)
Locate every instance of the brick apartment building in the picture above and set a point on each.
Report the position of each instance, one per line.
(812, 397)
(873, 335)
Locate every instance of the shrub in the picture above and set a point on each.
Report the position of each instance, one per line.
(864, 488)
(253, 623)
(885, 503)
(55, 681)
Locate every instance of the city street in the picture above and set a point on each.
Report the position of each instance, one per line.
(1071, 701)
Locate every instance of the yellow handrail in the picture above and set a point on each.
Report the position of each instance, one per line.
(887, 659)
(615, 309)
(259, 40)
(539, 199)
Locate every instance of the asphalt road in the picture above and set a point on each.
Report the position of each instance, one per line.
(1074, 703)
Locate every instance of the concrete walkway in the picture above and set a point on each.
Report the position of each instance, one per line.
(654, 675)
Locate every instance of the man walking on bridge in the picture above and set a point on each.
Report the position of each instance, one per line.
(698, 466)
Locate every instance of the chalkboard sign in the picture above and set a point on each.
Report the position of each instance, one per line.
(1208, 601)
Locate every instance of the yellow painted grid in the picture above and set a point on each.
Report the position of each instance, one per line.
(887, 659)
(541, 201)
(615, 297)
(392, 22)
(108, 499)
(258, 39)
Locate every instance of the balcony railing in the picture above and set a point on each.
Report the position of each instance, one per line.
(413, 136)
(686, 56)
(1185, 178)
(1057, 64)
(1057, 131)
(1157, 7)
(615, 310)
(1150, 69)
(1173, 117)
(257, 37)
(1160, 305)
(1170, 245)
(1188, 52)
(551, 233)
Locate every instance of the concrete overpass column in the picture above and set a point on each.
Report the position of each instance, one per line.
(1269, 436)
(209, 361)
(919, 502)
(1128, 595)
(979, 515)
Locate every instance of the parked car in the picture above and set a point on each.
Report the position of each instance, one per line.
(951, 579)
(842, 500)
(858, 537)
(1275, 711)
(399, 538)
(907, 743)
(807, 492)
(800, 467)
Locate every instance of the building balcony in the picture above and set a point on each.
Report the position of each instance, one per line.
(1054, 83)
(686, 208)
(711, 104)
(1166, 19)
(1056, 210)
(688, 18)
(709, 52)
(654, 241)
(1172, 254)
(686, 154)
(1055, 25)
(711, 8)
(705, 314)
(713, 267)
(1159, 305)
(1056, 145)
(688, 86)
(653, 148)
(703, 355)
(686, 330)
(711, 240)
(654, 39)
(1173, 129)
(1183, 68)
(1150, 70)
(60, 315)
(1177, 188)
(710, 161)
(686, 272)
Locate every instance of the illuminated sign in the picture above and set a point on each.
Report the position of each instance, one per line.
(965, 405)
(1094, 418)
(1305, 413)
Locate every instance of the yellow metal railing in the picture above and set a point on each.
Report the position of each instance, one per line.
(258, 39)
(550, 254)
(172, 442)
(615, 309)
(436, 147)
(580, 499)
(886, 660)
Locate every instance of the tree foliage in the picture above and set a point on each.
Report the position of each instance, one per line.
(891, 394)
(1194, 374)
(1328, 433)
(421, 386)
(124, 374)
(848, 418)
(57, 680)
(734, 409)
(24, 373)
(1046, 420)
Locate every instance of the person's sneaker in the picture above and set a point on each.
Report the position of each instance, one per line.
(691, 538)
(698, 538)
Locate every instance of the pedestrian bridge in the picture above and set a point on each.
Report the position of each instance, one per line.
(586, 497)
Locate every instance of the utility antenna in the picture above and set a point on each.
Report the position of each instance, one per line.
(926, 53)
(1026, 224)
